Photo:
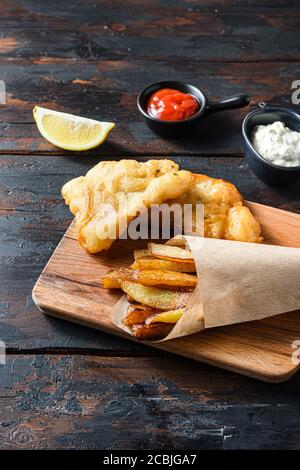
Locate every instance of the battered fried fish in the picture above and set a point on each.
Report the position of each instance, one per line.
(225, 216)
(241, 225)
(113, 193)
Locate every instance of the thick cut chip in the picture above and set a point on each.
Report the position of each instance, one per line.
(165, 265)
(170, 253)
(112, 194)
(167, 278)
(151, 332)
(177, 241)
(137, 314)
(113, 279)
(162, 299)
(172, 316)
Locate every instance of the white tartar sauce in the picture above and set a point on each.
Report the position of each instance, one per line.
(277, 143)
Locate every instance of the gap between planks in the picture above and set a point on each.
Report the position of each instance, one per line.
(115, 58)
(88, 352)
(113, 154)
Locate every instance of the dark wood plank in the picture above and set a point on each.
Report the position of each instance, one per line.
(141, 403)
(92, 58)
(33, 218)
(107, 90)
(210, 30)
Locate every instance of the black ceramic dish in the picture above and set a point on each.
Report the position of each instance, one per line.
(266, 171)
(177, 128)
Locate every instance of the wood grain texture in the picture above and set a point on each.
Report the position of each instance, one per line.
(159, 402)
(210, 30)
(70, 288)
(33, 220)
(92, 58)
(108, 90)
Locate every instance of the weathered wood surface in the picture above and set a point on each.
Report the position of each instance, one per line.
(92, 58)
(212, 30)
(34, 218)
(107, 90)
(159, 402)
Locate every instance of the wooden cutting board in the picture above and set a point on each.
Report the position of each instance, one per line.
(70, 288)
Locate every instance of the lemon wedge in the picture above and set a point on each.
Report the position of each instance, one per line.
(70, 132)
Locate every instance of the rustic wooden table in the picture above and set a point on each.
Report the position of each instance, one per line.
(65, 386)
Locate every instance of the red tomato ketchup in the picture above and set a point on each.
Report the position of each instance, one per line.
(172, 105)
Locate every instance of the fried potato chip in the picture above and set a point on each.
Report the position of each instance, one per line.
(139, 254)
(111, 280)
(177, 241)
(137, 314)
(175, 288)
(152, 332)
(112, 194)
(167, 278)
(148, 277)
(172, 316)
(170, 253)
(162, 299)
(165, 265)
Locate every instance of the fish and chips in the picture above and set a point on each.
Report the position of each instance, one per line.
(160, 282)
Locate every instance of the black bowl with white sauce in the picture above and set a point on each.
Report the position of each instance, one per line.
(272, 144)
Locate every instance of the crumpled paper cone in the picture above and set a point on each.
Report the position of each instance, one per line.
(238, 282)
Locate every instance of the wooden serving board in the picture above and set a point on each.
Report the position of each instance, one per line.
(70, 288)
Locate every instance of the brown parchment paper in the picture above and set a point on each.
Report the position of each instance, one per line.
(238, 282)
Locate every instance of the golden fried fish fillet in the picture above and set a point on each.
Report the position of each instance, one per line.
(225, 216)
(114, 193)
(241, 225)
